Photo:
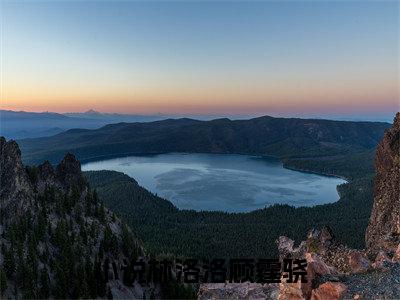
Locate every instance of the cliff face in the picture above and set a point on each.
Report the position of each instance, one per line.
(19, 185)
(18, 182)
(15, 188)
(57, 239)
(383, 232)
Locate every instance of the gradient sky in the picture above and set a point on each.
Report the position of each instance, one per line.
(201, 57)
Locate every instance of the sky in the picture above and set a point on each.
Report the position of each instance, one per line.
(201, 57)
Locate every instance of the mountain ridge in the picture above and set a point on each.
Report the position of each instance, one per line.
(58, 240)
(281, 137)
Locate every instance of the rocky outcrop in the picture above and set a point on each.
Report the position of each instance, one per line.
(46, 176)
(337, 272)
(286, 248)
(396, 256)
(13, 177)
(381, 260)
(15, 187)
(50, 219)
(329, 291)
(68, 172)
(358, 262)
(383, 232)
(18, 182)
(67, 176)
(245, 290)
(333, 272)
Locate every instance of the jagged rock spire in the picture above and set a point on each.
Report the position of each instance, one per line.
(69, 173)
(383, 232)
(396, 122)
(15, 188)
(12, 172)
(15, 183)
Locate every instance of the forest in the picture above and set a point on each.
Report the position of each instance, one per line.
(280, 137)
(58, 248)
(168, 231)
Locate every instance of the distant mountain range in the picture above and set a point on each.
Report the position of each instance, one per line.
(285, 138)
(21, 124)
(114, 117)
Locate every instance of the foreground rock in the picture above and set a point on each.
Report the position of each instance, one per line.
(245, 290)
(383, 232)
(358, 262)
(57, 239)
(329, 291)
(338, 272)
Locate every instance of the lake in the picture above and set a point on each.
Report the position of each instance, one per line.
(223, 182)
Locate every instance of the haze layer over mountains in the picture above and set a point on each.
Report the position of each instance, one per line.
(22, 124)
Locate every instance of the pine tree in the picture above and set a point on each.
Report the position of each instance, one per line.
(30, 270)
(9, 262)
(88, 204)
(101, 213)
(82, 286)
(61, 281)
(127, 240)
(95, 198)
(42, 224)
(109, 293)
(44, 291)
(100, 280)
(3, 280)
(90, 278)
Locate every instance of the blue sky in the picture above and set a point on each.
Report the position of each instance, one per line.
(201, 57)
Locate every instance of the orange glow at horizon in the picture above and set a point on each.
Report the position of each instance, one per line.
(232, 98)
(200, 58)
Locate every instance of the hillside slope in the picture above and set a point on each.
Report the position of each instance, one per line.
(21, 124)
(57, 238)
(284, 138)
(164, 229)
(335, 271)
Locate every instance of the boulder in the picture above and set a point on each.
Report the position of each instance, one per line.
(358, 262)
(285, 244)
(327, 237)
(380, 260)
(318, 265)
(286, 248)
(245, 290)
(396, 256)
(291, 291)
(329, 291)
(320, 241)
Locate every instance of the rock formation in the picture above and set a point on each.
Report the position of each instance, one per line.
(15, 188)
(383, 232)
(219, 291)
(57, 239)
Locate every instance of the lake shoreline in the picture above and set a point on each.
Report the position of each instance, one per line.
(284, 165)
(227, 182)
